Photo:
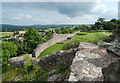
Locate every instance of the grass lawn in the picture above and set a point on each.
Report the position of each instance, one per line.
(79, 37)
(3, 34)
(109, 33)
(53, 48)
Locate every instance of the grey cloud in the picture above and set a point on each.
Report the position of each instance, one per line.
(70, 9)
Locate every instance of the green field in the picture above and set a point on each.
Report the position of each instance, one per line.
(3, 34)
(79, 37)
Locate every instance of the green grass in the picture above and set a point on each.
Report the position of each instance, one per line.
(89, 37)
(109, 33)
(81, 37)
(53, 48)
(3, 34)
(9, 73)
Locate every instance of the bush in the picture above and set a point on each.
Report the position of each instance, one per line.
(9, 49)
(27, 64)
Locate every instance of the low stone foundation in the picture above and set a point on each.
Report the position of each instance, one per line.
(58, 58)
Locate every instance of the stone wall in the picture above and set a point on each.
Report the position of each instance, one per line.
(57, 58)
(18, 61)
(46, 62)
(54, 39)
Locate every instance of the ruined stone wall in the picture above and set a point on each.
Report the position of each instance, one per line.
(46, 62)
(111, 61)
(57, 58)
(54, 39)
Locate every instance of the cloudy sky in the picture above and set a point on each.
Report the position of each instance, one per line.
(29, 13)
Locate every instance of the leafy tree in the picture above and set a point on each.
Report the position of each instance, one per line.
(15, 41)
(22, 48)
(70, 31)
(64, 30)
(16, 32)
(83, 27)
(58, 31)
(89, 28)
(118, 21)
(77, 28)
(48, 35)
(109, 25)
(113, 20)
(32, 38)
(9, 49)
(100, 20)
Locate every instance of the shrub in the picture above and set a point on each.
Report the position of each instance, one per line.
(27, 64)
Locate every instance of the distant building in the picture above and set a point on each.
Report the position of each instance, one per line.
(22, 32)
(20, 38)
(51, 28)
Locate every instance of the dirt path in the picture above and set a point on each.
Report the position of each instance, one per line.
(105, 33)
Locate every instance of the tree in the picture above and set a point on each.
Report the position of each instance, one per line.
(100, 20)
(9, 49)
(77, 28)
(16, 32)
(15, 41)
(83, 27)
(118, 21)
(58, 31)
(89, 28)
(48, 35)
(22, 48)
(109, 25)
(32, 38)
(113, 20)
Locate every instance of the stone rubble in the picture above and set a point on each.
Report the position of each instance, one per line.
(84, 70)
(111, 61)
(54, 77)
(18, 61)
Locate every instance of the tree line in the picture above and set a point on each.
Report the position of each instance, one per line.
(100, 23)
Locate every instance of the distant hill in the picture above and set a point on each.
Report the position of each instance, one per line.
(12, 28)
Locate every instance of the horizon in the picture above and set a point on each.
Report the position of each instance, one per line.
(45, 24)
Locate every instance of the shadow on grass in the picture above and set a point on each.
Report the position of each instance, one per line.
(81, 34)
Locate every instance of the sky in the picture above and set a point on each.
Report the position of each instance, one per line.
(30, 13)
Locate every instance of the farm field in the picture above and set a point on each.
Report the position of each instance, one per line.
(3, 34)
(79, 37)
